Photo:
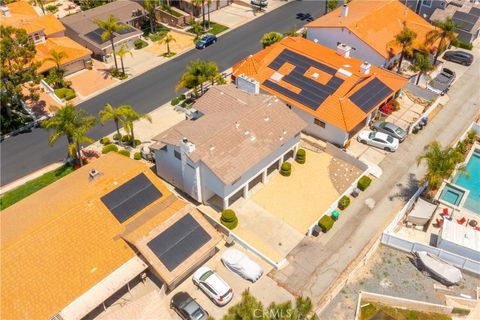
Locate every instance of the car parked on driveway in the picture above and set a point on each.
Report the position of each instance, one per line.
(458, 56)
(187, 308)
(378, 139)
(205, 41)
(390, 129)
(238, 262)
(442, 82)
(213, 286)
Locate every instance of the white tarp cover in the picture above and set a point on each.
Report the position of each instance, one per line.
(421, 213)
(459, 239)
(100, 292)
(440, 268)
(236, 261)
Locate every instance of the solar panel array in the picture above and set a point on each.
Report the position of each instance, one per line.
(176, 244)
(475, 11)
(127, 29)
(464, 20)
(312, 93)
(96, 36)
(131, 197)
(371, 95)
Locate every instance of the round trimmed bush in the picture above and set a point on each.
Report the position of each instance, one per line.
(286, 169)
(117, 136)
(109, 148)
(326, 223)
(124, 152)
(174, 101)
(364, 182)
(229, 219)
(126, 138)
(137, 142)
(343, 202)
(105, 140)
(301, 156)
(137, 156)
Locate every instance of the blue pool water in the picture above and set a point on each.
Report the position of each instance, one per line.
(471, 181)
(452, 195)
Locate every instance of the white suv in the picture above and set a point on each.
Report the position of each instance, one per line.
(213, 286)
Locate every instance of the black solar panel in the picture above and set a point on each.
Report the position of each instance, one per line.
(464, 20)
(95, 36)
(371, 95)
(178, 242)
(475, 11)
(131, 197)
(127, 29)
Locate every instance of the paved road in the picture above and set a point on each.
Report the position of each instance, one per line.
(29, 152)
(316, 263)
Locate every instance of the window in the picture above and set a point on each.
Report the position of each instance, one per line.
(319, 123)
(177, 154)
(36, 36)
(427, 3)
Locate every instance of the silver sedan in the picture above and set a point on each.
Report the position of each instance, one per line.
(390, 129)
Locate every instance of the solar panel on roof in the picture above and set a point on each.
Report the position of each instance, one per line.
(96, 35)
(127, 29)
(475, 11)
(131, 197)
(176, 244)
(371, 95)
(464, 20)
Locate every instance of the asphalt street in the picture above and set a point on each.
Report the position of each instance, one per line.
(28, 152)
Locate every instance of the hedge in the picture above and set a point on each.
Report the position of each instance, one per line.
(286, 169)
(364, 182)
(460, 44)
(117, 136)
(126, 138)
(124, 152)
(229, 219)
(137, 156)
(109, 148)
(105, 140)
(301, 156)
(65, 93)
(175, 101)
(343, 202)
(326, 223)
(139, 44)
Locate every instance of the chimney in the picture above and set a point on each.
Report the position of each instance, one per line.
(5, 10)
(344, 10)
(365, 68)
(344, 50)
(186, 146)
(248, 85)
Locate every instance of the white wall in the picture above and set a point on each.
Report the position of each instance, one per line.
(330, 36)
(169, 168)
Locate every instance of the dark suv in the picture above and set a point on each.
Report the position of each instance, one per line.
(460, 57)
(187, 308)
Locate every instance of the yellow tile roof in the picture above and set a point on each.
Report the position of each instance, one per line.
(60, 241)
(73, 50)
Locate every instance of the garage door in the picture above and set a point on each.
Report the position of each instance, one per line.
(74, 67)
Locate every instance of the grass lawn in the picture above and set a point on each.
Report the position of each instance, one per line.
(215, 28)
(376, 309)
(33, 186)
(161, 31)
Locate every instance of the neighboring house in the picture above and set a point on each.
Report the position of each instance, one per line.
(336, 94)
(369, 28)
(466, 18)
(426, 8)
(70, 246)
(236, 140)
(82, 26)
(188, 7)
(48, 34)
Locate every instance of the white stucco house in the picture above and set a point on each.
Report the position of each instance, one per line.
(232, 144)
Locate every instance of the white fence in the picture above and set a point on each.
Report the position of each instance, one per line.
(50, 91)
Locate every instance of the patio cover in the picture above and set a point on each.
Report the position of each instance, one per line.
(459, 239)
(421, 212)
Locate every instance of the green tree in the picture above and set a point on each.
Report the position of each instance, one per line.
(169, 38)
(247, 309)
(209, 3)
(331, 5)
(130, 117)
(201, 3)
(445, 30)
(440, 163)
(109, 27)
(56, 57)
(150, 6)
(404, 39)
(89, 4)
(72, 123)
(292, 32)
(196, 73)
(122, 52)
(270, 38)
(421, 64)
(118, 115)
(40, 4)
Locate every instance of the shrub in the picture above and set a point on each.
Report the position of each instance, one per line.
(343, 202)
(364, 182)
(174, 101)
(109, 148)
(139, 44)
(105, 140)
(51, 8)
(137, 156)
(124, 152)
(118, 74)
(229, 219)
(137, 142)
(460, 44)
(126, 138)
(117, 136)
(326, 223)
(286, 169)
(181, 97)
(186, 103)
(301, 154)
(65, 93)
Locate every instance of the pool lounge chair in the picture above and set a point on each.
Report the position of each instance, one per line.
(439, 223)
(461, 221)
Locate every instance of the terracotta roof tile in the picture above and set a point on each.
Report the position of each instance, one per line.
(73, 50)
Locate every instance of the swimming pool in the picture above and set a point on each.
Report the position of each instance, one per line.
(471, 181)
(452, 195)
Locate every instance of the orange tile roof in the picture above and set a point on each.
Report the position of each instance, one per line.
(337, 109)
(377, 23)
(24, 16)
(62, 240)
(73, 50)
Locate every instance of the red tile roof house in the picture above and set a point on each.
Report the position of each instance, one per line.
(368, 27)
(336, 94)
(235, 143)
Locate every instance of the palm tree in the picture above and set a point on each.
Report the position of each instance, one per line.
(211, 71)
(196, 73)
(109, 27)
(40, 4)
(122, 52)
(130, 116)
(270, 38)
(209, 3)
(72, 123)
(404, 39)
(56, 57)
(292, 32)
(150, 6)
(421, 65)
(331, 5)
(167, 40)
(118, 115)
(201, 3)
(440, 163)
(446, 30)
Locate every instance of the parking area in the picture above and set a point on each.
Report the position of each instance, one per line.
(88, 82)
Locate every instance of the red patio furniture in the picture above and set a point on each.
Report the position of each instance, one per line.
(439, 222)
(444, 212)
(477, 228)
(461, 221)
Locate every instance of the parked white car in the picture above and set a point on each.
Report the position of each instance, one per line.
(378, 139)
(213, 286)
(238, 262)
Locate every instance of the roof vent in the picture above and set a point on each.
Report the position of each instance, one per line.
(344, 10)
(266, 119)
(186, 146)
(344, 50)
(365, 68)
(252, 138)
(246, 132)
(212, 148)
(276, 76)
(315, 40)
(237, 124)
(280, 138)
(93, 174)
(284, 132)
(315, 75)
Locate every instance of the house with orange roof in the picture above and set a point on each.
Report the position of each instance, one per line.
(336, 94)
(67, 248)
(48, 34)
(368, 28)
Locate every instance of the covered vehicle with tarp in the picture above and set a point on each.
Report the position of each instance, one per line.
(238, 262)
(421, 213)
(439, 269)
